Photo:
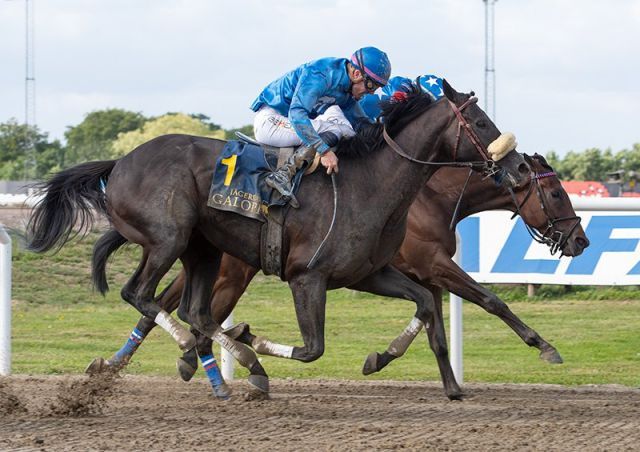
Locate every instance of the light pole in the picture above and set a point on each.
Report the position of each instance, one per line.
(29, 88)
(489, 59)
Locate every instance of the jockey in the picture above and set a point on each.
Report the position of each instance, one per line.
(315, 106)
(430, 84)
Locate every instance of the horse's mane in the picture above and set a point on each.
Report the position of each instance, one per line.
(397, 112)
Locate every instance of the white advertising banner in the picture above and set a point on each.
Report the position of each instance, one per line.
(496, 249)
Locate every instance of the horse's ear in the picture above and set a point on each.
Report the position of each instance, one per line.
(542, 159)
(449, 92)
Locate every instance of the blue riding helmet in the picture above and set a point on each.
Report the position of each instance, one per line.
(374, 64)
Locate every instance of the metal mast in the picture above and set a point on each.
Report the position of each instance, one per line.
(489, 59)
(29, 90)
(30, 78)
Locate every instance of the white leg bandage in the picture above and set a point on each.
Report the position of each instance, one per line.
(185, 340)
(264, 346)
(400, 344)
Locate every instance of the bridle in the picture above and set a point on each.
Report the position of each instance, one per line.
(487, 166)
(552, 237)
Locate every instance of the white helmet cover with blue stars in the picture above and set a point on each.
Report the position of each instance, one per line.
(430, 84)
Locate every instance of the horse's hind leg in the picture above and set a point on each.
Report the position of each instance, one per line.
(390, 282)
(168, 300)
(121, 358)
(201, 262)
(233, 278)
(140, 289)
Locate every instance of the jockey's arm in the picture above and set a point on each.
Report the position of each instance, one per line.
(311, 86)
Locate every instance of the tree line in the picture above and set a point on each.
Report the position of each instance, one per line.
(27, 153)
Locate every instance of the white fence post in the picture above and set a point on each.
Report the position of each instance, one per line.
(455, 322)
(5, 302)
(226, 358)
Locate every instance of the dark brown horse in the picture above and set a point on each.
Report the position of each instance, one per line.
(542, 203)
(156, 197)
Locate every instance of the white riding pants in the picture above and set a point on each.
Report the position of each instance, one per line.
(273, 129)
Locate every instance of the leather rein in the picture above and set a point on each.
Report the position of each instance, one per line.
(487, 165)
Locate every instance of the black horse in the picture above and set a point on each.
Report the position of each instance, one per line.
(156, 197)
(542, 203)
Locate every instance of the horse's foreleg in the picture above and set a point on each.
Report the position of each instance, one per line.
(375, 362)
(309, 293)
(390, 282)
(451, 277)
(310, 296)
(438, 340)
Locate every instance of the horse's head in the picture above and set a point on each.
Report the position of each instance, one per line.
(473, 136)
(547, 211)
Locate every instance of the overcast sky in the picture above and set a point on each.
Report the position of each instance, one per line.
(567, 72)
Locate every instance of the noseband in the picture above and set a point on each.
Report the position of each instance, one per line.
(552, 237)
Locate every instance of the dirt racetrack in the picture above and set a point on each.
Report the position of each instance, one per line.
(159, 413)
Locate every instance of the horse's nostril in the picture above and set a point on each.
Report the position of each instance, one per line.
(523, 168)
(583, 242)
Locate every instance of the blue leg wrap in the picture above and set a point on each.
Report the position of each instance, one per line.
(212, 370)
(129, 348)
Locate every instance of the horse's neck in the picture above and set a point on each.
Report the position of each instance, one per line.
(481, 193)
(402, 178)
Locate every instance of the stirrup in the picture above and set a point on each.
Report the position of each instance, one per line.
(279, 183)
(285, 192)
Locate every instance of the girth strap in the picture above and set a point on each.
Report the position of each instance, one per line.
(271, 236)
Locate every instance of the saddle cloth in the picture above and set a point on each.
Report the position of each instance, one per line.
(238, 180)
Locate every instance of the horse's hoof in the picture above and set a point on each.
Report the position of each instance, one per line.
(185, 370)
(256, 395)
(456, 395)
(237, 331)
(222, 392)
(371, 364)
(551, 356)
(260, 382)
(97, 366)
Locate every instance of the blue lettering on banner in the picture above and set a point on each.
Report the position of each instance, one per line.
(512, 256)
(469, 230)
(599, 234)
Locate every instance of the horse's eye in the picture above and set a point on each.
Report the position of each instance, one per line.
(481, 123)
(555, 194)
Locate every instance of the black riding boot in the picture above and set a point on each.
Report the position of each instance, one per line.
(281, 178)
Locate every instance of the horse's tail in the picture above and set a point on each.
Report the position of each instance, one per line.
(71, 198)
(104, 247)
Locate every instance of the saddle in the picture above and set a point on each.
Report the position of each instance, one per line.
(282, 154)
(238, 186)
(272, 234)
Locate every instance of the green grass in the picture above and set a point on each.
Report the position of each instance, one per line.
(59, 325)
